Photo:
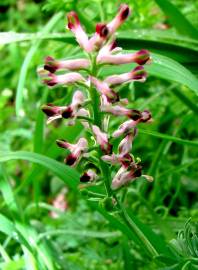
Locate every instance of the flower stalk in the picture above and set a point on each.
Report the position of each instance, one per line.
(97, 161)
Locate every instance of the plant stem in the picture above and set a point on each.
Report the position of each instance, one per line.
(131, 224)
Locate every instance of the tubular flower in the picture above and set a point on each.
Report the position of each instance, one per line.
(76, 150)
(53, 65)
(126, 175)
(94, 108)
(68, 78)
(102, 140)
(75, 26)
(53, 112)
(127, 126)
(137, 74)
(119, 19)
(141, 57)
(121, 111)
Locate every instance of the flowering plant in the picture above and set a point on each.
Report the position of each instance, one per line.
(95, 102)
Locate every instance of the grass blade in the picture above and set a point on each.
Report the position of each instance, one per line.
(65, 173)
(177, 19)
(28, 58)
(168, 137)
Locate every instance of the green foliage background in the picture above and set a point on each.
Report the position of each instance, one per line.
(86, 236)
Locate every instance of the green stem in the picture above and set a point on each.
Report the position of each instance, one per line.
(131, 224)
(98, 121)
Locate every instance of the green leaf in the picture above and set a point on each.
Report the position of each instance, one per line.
(6, 190)
(7, 226)
(168, 137)
(177, 18)
(27, 61)
(64, 172)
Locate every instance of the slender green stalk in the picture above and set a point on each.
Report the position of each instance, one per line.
(131, 224)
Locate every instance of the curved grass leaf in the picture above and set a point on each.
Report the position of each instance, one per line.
(182, 49)
(28, 58)
(65, 173)
(177, 18)
(168, 137)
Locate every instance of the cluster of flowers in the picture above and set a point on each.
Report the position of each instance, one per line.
(102, 50)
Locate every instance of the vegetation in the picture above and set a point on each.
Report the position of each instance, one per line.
(52, 216)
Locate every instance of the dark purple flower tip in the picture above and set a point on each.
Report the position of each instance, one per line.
(62, 143)
(50, 109)
(139, 73)
(107, 148)
(67, 113)
(50, 64)
(113, 45)
(124, 12)
(102, 30)
(126, 160)
(135, 115)
(142, 57)
(50, 82)
(113, 97)
(138, 171)
(85, 178)
(70, 160)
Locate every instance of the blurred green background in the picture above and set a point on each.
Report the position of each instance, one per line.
(85, 236)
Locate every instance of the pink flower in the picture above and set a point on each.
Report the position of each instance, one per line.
(126, 175)
(104, 89)
(137, 74)
(119, 19)
(88, 176)
(121, 111)
(75, 26)
(53, 112)
(77, 102)
(69, 78)
(60, 203)
(102, 140)
(141, 57)
(125, 145)
(76, 150)
(127, 126)
(53, 65)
